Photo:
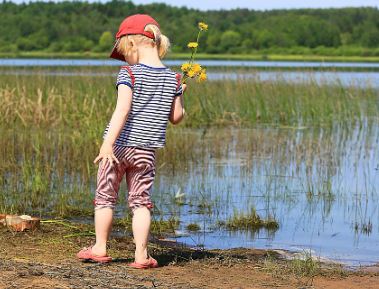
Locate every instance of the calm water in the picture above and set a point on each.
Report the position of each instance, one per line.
(210, 63)
(320, 184)
(302, 71)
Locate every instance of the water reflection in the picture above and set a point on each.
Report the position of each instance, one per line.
(320, 184)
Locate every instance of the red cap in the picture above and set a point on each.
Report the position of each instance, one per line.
(131, 25)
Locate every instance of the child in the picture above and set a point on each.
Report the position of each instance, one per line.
(149, 94)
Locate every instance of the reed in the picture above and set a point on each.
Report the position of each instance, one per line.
(49, 172)
(52, 128)
(85, 102)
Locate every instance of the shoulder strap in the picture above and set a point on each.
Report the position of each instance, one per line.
(178, 79)
(132, 78)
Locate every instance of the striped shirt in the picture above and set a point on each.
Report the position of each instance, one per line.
(154, 89)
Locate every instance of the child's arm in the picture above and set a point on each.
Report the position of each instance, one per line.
(177, 108)
(119, 117)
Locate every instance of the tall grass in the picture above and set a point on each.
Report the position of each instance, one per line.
(85, 103)
(51, 130)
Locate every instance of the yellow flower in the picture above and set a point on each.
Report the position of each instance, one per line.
(202, 76)
(196, 68)
(186, 67)
(191, 73)
(193, 45)
(203, 26)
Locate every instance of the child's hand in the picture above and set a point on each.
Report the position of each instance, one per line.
(106, 153)
(184, 87)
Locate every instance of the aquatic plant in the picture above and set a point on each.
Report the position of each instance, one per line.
(250, 221)
(193, 227)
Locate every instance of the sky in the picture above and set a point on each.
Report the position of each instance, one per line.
(255, 4)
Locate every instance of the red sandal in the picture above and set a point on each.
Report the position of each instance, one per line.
(151, 263)
(86, 255)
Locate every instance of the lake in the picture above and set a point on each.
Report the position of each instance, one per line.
(320, 182)
(332, 72)
(210, 63)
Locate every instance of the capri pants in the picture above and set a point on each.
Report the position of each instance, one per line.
(138, 167)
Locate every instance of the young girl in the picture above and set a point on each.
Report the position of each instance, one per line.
(149, 94)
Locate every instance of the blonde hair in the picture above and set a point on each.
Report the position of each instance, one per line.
(160, 41)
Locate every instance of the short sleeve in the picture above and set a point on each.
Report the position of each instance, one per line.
(125, 77)
(179, 90)
(179, 87)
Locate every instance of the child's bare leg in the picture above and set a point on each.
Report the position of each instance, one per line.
(141, 227)
(103, 225)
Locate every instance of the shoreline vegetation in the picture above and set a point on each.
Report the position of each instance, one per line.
(61, 29)
(38, 99)
(199, 56)
(56, 117)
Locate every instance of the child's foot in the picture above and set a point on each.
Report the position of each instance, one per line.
(99, 250)
(86, 254)
(141, 256)
(147, 264)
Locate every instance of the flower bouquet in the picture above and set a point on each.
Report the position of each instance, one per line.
(191, 69)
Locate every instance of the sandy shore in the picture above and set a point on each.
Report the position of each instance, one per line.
(46, 259)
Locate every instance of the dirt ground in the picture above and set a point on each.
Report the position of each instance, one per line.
(46, 259)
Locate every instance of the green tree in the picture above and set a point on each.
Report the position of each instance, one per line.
(230, 39)
(77, 44)
(106, 41)
(263, 39)
(370, 38)
(82, 26)
(213, 43)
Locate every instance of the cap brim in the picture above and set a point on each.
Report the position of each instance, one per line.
(115, 54)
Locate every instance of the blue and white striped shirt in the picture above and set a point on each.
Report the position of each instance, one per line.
(154, 89)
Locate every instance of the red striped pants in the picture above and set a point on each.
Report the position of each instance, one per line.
(138, 166)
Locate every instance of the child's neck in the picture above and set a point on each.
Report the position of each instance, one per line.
(149, 56)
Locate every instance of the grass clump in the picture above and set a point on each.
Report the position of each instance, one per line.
(193, 227)
(305, 266)
(250, 221)
(302, 266)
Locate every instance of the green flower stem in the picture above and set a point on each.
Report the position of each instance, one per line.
(194, 51)
(192, 59)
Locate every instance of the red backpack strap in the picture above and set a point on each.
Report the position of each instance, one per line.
(132, 78)
(178, 79)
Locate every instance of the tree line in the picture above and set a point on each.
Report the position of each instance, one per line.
(81, 26)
